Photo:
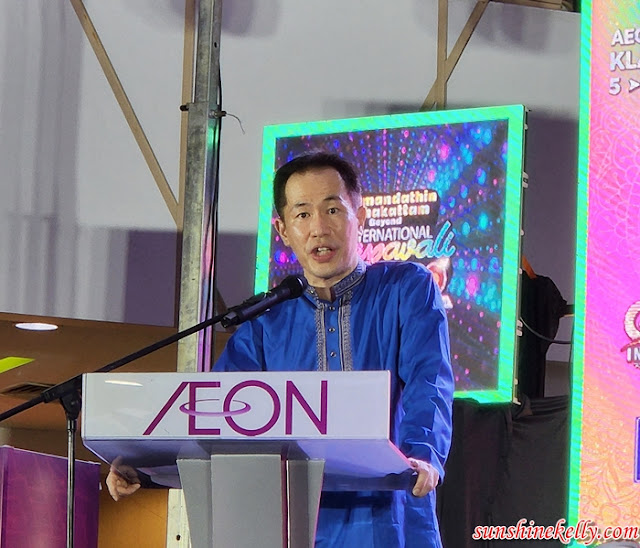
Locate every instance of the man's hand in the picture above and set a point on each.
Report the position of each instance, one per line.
(122, 481)
(427, 477)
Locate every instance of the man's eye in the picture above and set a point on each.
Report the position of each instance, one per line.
(333, 210)
(302, 215)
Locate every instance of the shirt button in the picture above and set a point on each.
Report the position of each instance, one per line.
(332, 308)
(332, 329)
(332, 354)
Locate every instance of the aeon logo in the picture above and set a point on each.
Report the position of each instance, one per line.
(234, 405)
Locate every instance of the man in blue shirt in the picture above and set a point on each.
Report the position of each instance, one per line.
(355, 317)
(358, 317)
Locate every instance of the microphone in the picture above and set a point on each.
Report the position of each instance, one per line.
(290, 288)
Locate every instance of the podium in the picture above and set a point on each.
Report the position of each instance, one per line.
(252, 451)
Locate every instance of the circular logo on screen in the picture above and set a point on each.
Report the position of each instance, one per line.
(631, 324)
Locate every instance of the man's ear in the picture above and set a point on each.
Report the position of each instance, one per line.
(282, 230)
(361, 214)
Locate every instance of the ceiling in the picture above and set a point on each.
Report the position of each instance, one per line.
(78, 346)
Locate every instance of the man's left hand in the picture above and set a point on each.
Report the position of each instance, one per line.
(428, 477)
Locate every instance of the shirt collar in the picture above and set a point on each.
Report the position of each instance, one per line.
(344, 285)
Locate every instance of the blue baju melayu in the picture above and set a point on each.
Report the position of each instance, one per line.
(384, 316)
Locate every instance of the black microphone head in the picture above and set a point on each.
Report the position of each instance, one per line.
(294, 285)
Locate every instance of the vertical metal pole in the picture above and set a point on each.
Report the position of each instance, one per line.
(71, 477)
(201, 193)
(199, 230)
(72, 403)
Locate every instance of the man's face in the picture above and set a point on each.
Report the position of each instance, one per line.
(320, 224)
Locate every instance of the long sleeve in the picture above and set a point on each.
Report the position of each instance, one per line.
(425, 369)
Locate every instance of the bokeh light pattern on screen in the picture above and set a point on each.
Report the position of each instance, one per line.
(434, 194)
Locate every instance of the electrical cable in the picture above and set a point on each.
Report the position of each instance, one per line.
(544, 337)
(211, 235)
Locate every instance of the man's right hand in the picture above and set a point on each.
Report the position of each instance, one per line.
(122, 481)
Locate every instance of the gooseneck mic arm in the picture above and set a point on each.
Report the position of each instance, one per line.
(290, 288)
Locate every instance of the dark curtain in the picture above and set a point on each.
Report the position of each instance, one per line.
(507, 462)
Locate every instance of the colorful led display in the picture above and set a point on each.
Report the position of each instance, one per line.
(441, 188)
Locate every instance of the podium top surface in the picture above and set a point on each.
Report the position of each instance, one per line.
(149, 420)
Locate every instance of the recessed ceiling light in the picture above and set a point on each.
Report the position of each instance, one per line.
(37, 326)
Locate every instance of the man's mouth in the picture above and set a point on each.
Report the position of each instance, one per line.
(322, 253)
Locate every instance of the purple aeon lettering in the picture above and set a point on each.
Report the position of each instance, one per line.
(268, 425)
(319, 422)
(184, 408)
(192, 411)
(233, 407)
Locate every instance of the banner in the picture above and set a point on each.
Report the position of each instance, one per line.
(606, 380)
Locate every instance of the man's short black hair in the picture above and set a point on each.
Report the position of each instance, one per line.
(306, 162)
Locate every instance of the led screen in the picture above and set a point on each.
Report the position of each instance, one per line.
(440, 188)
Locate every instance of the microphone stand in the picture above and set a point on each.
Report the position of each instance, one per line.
(69, 395)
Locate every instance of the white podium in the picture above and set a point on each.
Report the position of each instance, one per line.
(252, 451)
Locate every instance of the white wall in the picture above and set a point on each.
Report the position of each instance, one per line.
(77, 189)
(76, 192)
(336, 59)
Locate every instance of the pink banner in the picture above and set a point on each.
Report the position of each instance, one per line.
(609, 494)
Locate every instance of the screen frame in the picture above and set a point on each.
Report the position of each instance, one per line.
(515, 115)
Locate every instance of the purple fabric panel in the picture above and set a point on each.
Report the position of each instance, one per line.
(34, 501)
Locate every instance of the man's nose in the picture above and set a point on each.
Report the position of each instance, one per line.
(319, 225)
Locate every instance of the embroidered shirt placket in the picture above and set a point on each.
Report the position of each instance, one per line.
(343, 292)
(344, 325)
(321, 339)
